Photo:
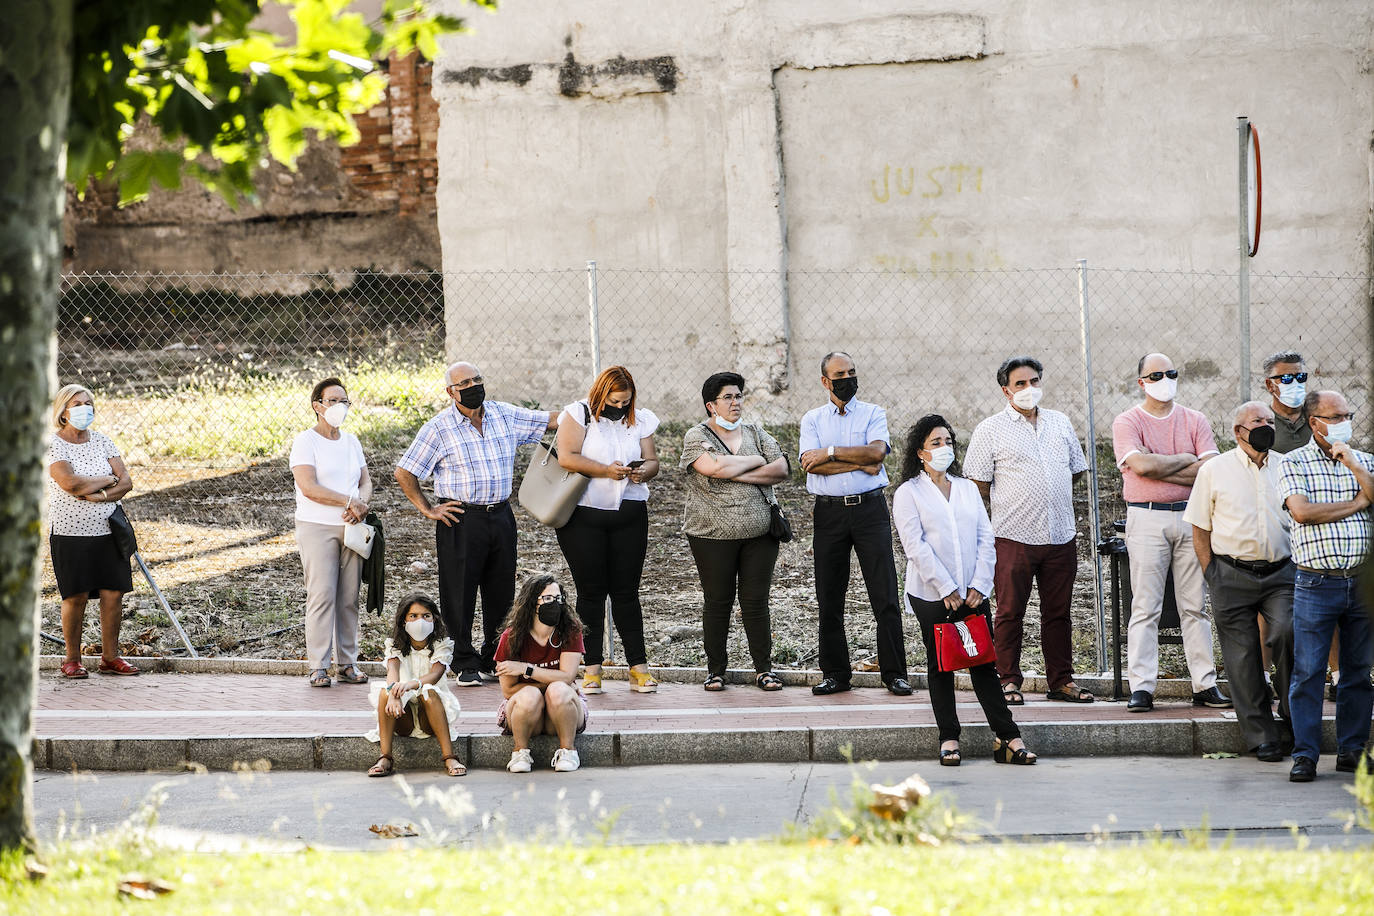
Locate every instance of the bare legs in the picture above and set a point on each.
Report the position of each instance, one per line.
(556, 710)
(74, 620)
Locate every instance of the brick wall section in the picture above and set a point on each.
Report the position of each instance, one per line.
(396, 158)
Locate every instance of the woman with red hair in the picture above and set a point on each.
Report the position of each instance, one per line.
(607, 438)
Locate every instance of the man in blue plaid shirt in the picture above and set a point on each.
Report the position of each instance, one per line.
(469, 450)
(1327, 488)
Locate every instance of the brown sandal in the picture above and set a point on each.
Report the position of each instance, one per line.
(1070, 693)
(378, 769)
(456, 768)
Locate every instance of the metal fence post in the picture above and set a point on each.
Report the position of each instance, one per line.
(594, 317)
(1085, 333)
(1243, 129)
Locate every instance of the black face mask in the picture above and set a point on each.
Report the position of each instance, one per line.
(551, 612)
(472, 397)
(614, 414)
(845, 388)
(1261, 438)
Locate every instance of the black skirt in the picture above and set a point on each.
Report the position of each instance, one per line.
(88, 565)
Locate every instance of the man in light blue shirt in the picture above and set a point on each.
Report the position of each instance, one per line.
(842, 448)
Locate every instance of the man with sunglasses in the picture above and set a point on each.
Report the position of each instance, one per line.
(469, 450)
(1240, 535)
(1160, 446)
(1286, 381)
(1327, 487)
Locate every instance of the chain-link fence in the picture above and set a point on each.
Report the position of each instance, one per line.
(203, 380)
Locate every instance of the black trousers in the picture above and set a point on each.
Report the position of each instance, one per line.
(865, 529)
(476, 552)
(605, 551)
(986, 684)
(725, 566)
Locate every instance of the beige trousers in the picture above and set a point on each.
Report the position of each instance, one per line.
(333, 574)
(1155, 539)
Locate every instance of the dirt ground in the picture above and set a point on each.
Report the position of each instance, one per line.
(222, 550)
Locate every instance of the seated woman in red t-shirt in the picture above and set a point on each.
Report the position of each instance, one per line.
(537, 660)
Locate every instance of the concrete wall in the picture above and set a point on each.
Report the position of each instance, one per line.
(748, 142)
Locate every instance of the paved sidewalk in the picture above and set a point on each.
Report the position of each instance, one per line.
(161, 720)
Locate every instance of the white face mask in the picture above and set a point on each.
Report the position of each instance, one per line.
(1292, 394)
(940, 458)
(419, 628)
(1162, 390)
(336, 415)
(81, 416)
(726, 424)
(1027, 397)
(1339, 432)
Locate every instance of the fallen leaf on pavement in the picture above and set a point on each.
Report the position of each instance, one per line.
(393, 831)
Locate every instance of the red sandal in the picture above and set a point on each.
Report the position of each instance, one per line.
(74, 671)
(118, 666)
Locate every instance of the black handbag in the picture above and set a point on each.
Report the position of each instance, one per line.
(779, 528)
(123, 531)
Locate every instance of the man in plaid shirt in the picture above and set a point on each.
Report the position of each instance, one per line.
(469, 450)
(1327, 488)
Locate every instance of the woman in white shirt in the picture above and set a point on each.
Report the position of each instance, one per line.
(950, 556)
(607, 438)
(332, 490)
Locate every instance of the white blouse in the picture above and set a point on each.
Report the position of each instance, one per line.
(609, 441)
(70, 516)
(948, 542)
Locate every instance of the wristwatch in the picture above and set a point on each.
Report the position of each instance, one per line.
(529, 672)
(830, 453)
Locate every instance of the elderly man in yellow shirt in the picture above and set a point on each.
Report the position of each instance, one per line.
(1240, 534)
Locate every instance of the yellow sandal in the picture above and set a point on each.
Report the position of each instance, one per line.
(643, 682)
(591, 683)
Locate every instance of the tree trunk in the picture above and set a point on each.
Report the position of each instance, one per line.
(35, 85)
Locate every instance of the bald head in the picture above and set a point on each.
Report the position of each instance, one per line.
(1153, 362)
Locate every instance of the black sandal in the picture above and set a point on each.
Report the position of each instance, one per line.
(768, 681)
(1065, 695)
(1002, 753)
(350, 675)
(378, 770)
(715, 683)
(1013, 696)
(950, 758)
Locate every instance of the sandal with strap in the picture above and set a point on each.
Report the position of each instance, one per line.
(319, 678)
(715, 683)
(454, 768)
(74, 671)
(1013, 696)
(642, 682)
(1002, 753)
(380, 769)
(118, 666)
(950, 757)
(351, 675)
(1070, 693)
(768, 681)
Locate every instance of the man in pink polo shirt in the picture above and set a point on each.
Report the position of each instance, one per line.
(1159, 447)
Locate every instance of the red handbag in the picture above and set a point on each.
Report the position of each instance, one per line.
(963, 644)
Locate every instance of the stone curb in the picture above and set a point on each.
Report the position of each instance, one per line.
(1109, 738)
(792, 677)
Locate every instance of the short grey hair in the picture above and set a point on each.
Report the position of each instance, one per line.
(1283, 356)
(825, 360)
(1245, 408)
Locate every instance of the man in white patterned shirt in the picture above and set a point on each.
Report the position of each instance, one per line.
(1327, 487)
(469, 450)
(1026, 459)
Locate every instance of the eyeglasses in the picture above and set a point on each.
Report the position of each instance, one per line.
(465, 383)
(330, 402)
(549, 599)
(1156, 376)
(1289, 378)
(734, 398)
(1338, 418)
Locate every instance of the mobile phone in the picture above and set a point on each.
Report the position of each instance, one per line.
(636, 463)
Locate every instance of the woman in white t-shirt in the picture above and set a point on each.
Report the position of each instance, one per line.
(608, 439)
(332, 490)
(86, 479)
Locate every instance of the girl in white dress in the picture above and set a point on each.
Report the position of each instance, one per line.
(415, 700)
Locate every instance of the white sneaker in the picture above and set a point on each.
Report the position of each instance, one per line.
(565, 760)
(521, 761)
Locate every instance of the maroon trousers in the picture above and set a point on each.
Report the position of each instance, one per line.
(1053, 567)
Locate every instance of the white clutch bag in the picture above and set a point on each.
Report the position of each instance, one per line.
(358, 538)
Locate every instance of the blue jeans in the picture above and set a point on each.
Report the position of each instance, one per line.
(1321, 604)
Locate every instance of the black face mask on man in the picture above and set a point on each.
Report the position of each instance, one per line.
(551, 612)
(845, 388)
(1261, 438)
(472, 396)
(614, 414)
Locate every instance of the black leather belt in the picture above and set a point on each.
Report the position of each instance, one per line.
(1165, 507)
(482, 507)
(1258, 567)
(852, 500)
(1332, 573)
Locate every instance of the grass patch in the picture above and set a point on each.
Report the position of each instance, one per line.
(761, 877)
